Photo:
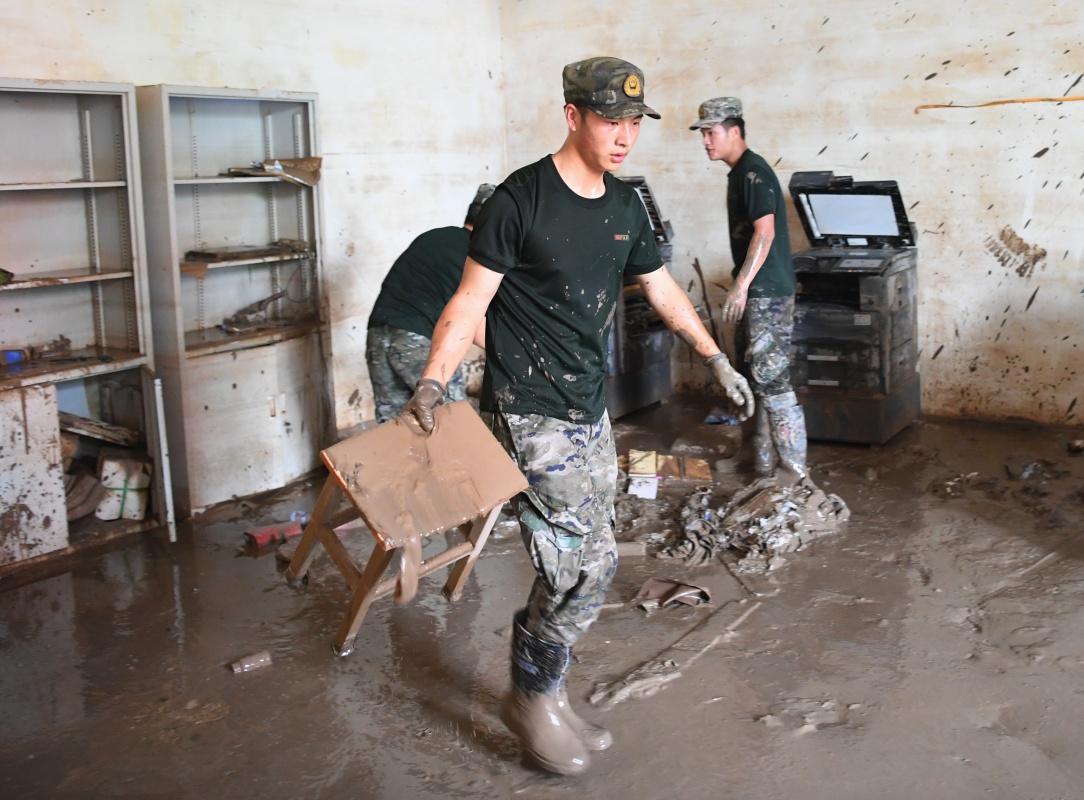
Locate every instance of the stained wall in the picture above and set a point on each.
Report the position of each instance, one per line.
(422, 100)
(997, 193)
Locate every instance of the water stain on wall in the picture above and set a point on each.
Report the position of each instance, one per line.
(1013, 252)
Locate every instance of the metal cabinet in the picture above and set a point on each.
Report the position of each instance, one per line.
(74, 326)
(235, 258)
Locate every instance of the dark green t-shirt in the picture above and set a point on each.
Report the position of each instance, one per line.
(422, 281)
(753, 192)
(563, 258)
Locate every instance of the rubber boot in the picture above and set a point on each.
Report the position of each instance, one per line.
(594, 738)
(788, 431)
(761, 440)
(532, 711)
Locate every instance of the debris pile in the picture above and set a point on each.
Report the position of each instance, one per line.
(766, 519)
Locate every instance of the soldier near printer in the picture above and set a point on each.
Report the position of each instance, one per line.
(414, 292)
(761, 299)
(546, 266)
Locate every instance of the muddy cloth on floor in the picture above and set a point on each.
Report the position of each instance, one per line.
(760, 522)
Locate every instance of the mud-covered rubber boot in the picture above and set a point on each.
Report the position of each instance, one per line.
(594, 738)
(531, 710)
(788, 432)
(761, 441)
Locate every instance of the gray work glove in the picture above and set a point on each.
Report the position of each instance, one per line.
(428, 394)
(737, 388)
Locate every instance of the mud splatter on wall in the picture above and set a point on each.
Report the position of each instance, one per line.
(826, 86)
(1013, 252)
(996, 194)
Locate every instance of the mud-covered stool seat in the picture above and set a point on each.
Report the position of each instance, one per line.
(405, 486)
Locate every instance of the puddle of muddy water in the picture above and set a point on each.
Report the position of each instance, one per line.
(933, 648)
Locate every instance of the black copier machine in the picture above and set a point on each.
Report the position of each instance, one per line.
(855, 365)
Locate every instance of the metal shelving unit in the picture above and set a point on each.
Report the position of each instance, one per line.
(74, 323)
(234, 330)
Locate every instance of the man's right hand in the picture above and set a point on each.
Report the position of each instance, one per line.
(428, 394)
(736, 387)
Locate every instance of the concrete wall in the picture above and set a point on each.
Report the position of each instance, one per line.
(997, 193)
(422, 100)
(411, 111)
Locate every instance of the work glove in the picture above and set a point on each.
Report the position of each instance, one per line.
(428, 394)
(737, 388)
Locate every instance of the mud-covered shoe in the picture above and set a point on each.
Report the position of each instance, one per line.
(594, 738)
(545, 734)
(531, 710)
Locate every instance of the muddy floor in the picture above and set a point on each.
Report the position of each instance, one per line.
(932, 648)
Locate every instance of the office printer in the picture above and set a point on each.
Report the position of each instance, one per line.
(855, 365)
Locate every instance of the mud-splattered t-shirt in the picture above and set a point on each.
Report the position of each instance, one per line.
(563, 258)
(753, 192)
(421, 281)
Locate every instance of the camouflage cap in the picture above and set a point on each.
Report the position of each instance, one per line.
(610, 87)
(485, 191)
(716, 110)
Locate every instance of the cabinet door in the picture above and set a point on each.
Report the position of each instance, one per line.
(232, 425)
(33, 511)
(301, 413)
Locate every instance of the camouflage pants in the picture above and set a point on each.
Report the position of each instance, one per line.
(566, 517)
(763, 344)
(764, 348)
(396, 360)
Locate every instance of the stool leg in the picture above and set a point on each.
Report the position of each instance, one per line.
(306, 548)
(479, 533)
(364, 593)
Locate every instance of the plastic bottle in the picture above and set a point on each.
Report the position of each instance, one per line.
(254, 661)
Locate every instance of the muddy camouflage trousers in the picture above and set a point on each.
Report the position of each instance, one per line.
(566, 517)
(396, 360)
(763, 343)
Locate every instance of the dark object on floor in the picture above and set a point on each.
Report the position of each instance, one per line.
(720, 417)
(1023, 467)
(1075, 446)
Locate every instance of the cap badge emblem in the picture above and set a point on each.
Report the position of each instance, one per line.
(632, 85)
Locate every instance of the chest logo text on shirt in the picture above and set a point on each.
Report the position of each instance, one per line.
(621, 237)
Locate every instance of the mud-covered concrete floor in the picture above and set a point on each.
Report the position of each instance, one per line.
(934, 648)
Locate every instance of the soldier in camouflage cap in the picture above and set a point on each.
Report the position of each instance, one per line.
(545, 270)
(716, 111)
(610, 87)
(761, 298)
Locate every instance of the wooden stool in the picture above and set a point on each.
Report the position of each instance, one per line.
(406, 486)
